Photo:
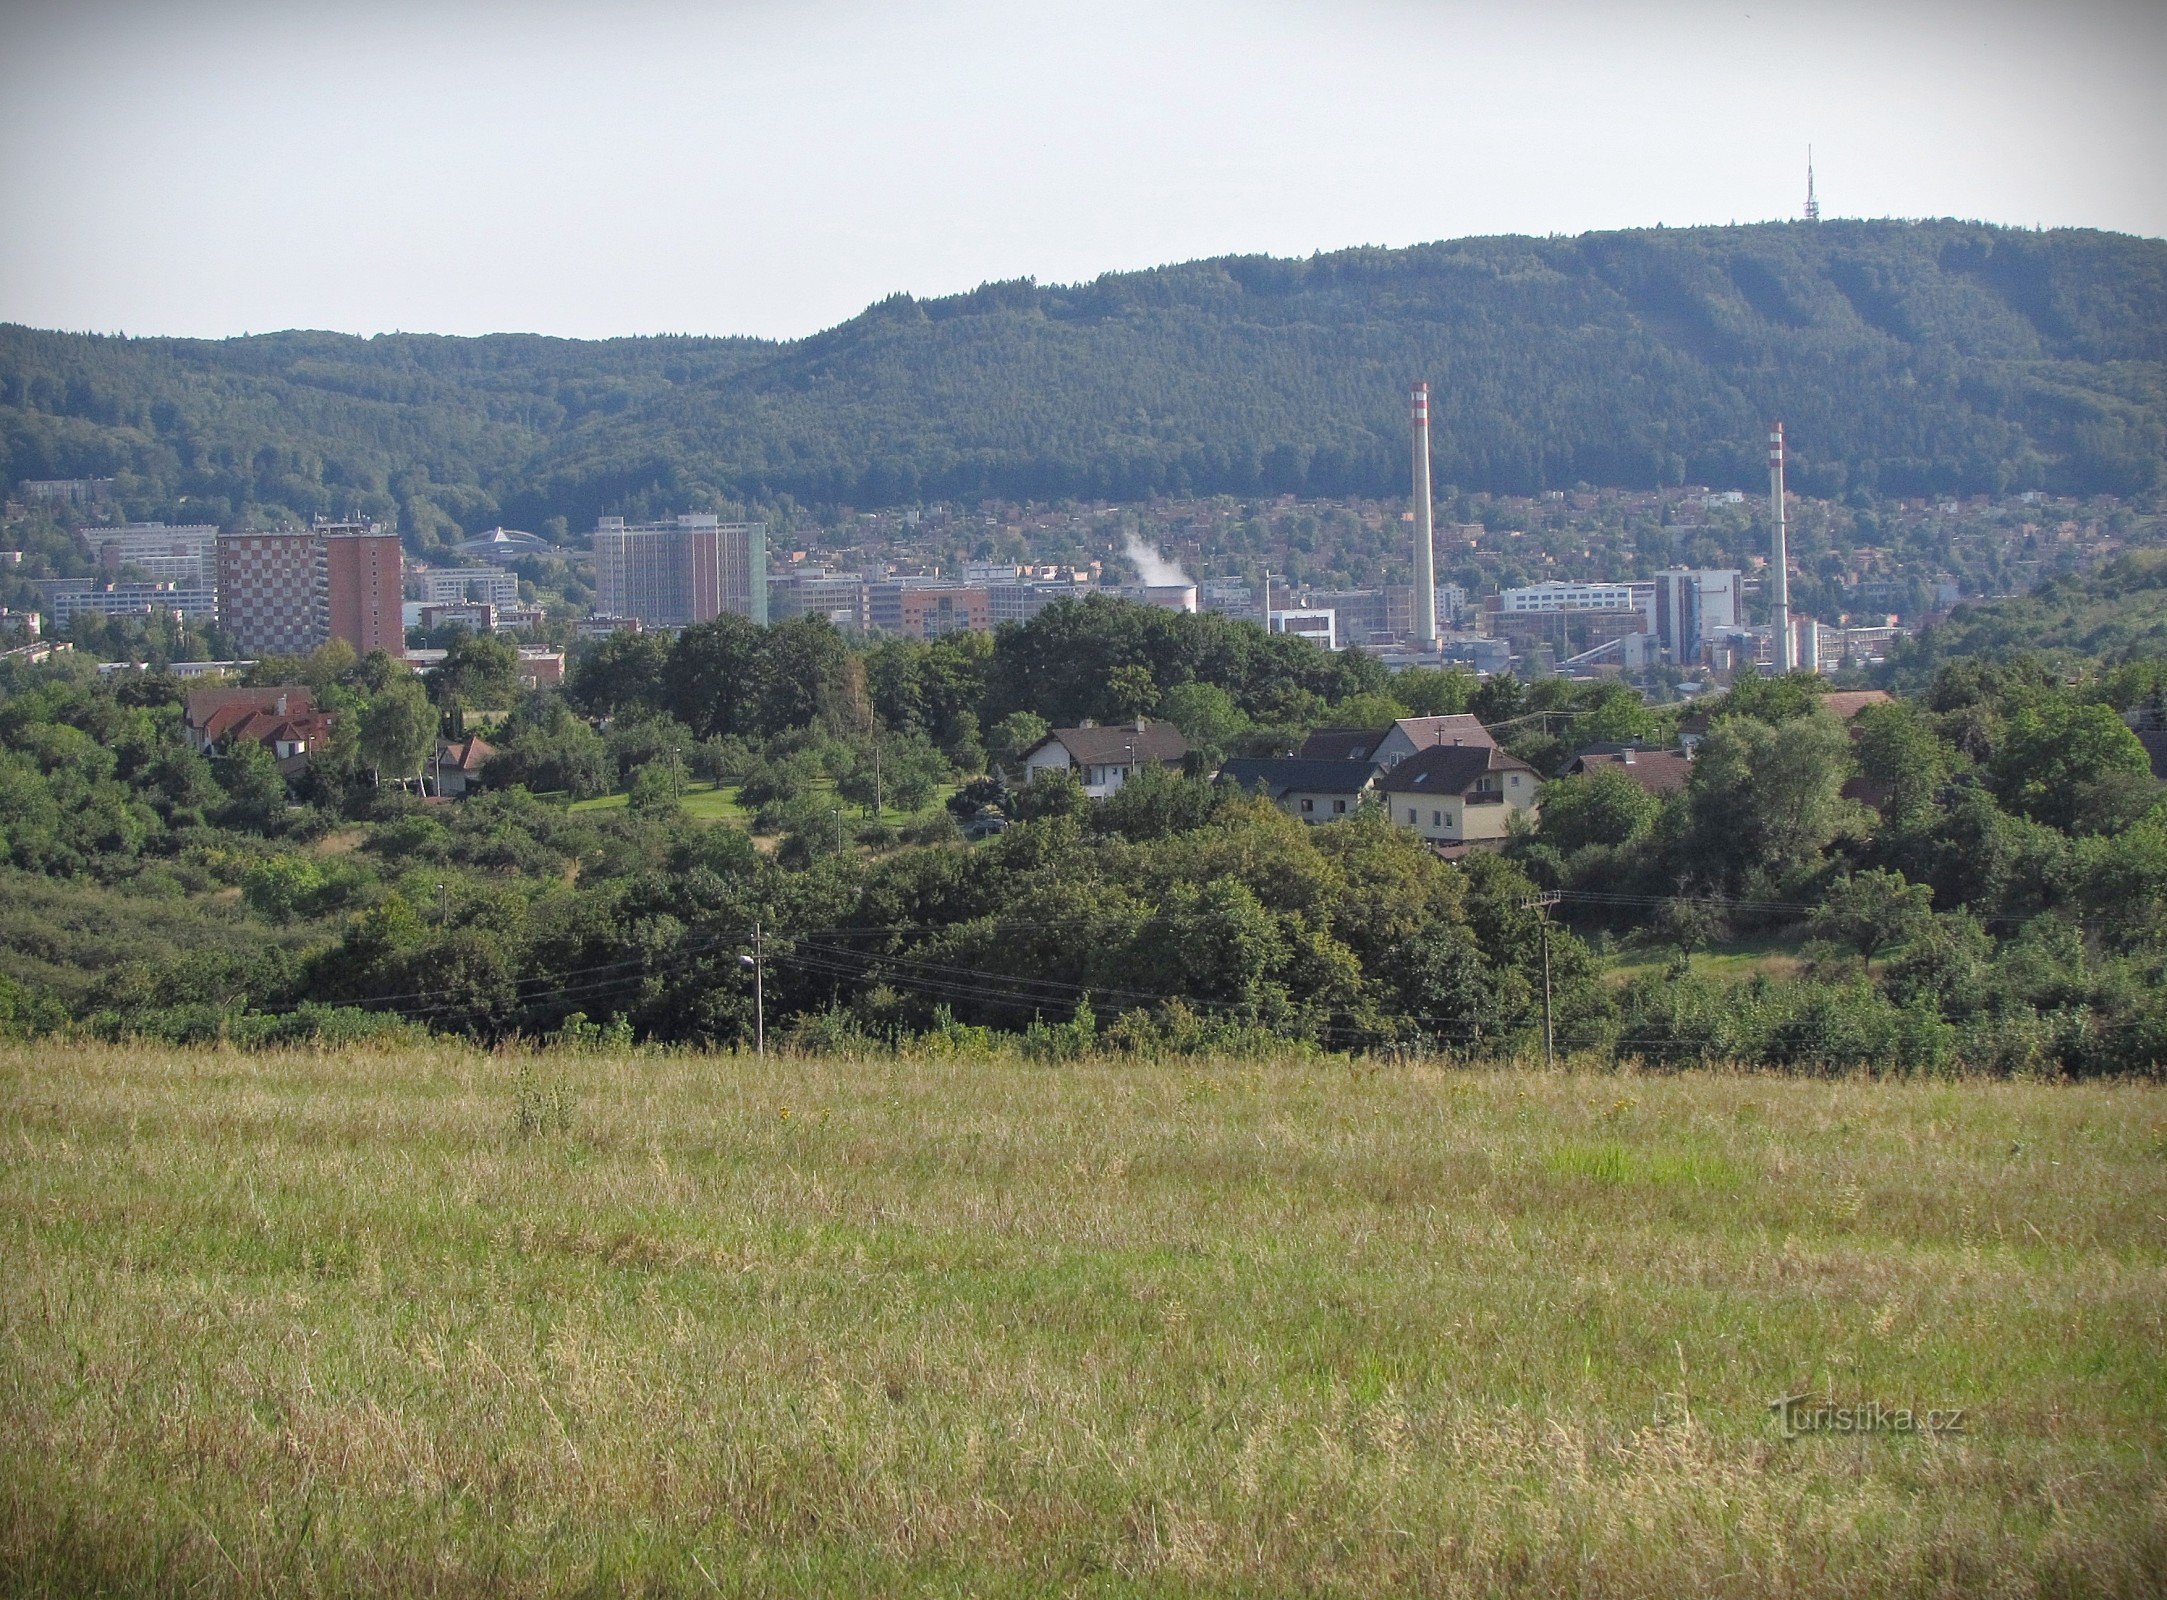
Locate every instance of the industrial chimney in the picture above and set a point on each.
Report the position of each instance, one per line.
(1779, 560)
(1425, 548)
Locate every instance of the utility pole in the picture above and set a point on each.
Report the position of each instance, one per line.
(757, 961)
(838, 830)
(880, 809)
(443, 904)
(1541, 905)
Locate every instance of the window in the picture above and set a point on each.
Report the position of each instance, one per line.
(1437, 819)
(1340, 807)
(1309, 805)
(1411, 815)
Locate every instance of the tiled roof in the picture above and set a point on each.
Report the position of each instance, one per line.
(1119, 744)
(1341, 744)
(1282, 775)
(1657, 771)
(1448, 769)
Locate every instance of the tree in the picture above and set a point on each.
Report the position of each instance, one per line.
(398, 728)
(1603, 807)
(1765, 802)
(1870, 910)
(1900, 754)
(1013, 735)
(2057, 756)
(1129, 693)
(658, 788)
(1206, 715)
(477, 670)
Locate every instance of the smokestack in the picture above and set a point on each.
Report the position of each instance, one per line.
(1425, 548)
(1779, 560)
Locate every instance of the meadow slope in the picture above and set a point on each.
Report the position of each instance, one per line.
(446, 1322)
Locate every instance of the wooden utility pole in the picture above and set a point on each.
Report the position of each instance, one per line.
(758, 962)
(1541, 905)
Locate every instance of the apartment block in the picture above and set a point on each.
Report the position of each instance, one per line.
(362, 586)
(929, 613)
(450, 586)
(184, 553)
(193, 602)
(270, 591)
(673, 574)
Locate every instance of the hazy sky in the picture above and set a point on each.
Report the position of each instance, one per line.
(215, 166)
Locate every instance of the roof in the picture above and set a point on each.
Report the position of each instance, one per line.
(1283, 775)
(1844, 704)
(202, 702)
(1342, 744)
(1657, 771)
(1361, 744)
(1448, 769)
(1459, 728)
(466, 754)
(1119, 744)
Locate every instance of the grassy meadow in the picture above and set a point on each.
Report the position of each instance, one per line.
(446, 1322)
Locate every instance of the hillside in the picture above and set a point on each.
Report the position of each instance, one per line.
(1907, 358)
(2116, 614)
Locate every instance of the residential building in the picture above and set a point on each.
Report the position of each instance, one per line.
(182, 554)
(457, 766)
(283, 719)
(1385, 748)
(538, 669)
(672, 574)
(475, 617)
(1020, 602)
(192, 602)
(67, 491)
(835, 597)
(929, 613)
(1461, 796)
(1660, 772)
(602, 624)
(269, 591)
(443, 586)
(1314, 790)
(361, 576)
(1103, 759)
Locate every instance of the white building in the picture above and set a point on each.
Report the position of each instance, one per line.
(183, 553)
(1551, 597)
(670, 574)
(1319, 625)
(451, 586)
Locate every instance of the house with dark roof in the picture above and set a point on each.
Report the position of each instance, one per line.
(1314, 790)
(1660, 772)
(1460, 797)
(1103, 759)
(1385, 748)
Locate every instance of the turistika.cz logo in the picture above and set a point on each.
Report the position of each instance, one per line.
(1800, 1414)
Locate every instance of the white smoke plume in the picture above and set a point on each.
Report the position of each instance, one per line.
(1156, 571)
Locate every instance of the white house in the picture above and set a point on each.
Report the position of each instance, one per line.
(1460, 795)
(1103, 759)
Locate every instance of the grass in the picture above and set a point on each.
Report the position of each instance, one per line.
(712, 802)
(1732, 961)
(451, 1322)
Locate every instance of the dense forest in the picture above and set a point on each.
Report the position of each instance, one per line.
(1906, 358)
(1972, 877)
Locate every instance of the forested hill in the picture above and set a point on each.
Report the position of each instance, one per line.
(1906, 358)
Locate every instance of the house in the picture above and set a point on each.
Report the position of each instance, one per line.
(1385, 748)
(283, 719)
(1461, 796)
(458, 765)
(1103, 759)
(1660, 772)
(1315, 790)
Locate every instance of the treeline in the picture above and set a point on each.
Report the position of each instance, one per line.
(1907, 358)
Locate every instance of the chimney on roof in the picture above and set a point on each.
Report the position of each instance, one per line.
(1141, 724)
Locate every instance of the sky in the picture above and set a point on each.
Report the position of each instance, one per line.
(213, 167)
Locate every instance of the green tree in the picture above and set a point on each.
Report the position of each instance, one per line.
(2056, 756)
(1868, 911)
(398, 729)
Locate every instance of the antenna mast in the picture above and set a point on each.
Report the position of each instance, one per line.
(1813, 206)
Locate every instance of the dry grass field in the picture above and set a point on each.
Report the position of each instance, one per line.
(452, 1323)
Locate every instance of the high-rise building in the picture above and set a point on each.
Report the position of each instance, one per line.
(362, 586)
(269, 592)
(287, 592)
(672, 574)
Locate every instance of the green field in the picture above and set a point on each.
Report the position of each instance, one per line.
(451, 1322)
(703, 802)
